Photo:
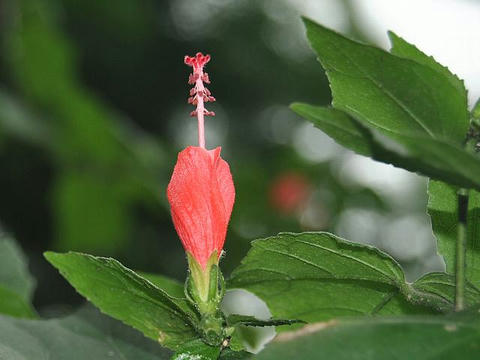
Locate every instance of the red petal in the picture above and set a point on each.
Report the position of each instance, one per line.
(201, 196)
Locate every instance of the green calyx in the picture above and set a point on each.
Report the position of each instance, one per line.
(205, 288)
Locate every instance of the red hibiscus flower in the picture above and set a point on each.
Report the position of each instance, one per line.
(201, 192)
(201, 196)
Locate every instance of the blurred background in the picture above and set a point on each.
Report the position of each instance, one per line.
(93, 112)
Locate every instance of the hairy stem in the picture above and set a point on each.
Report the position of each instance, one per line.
(461, 251)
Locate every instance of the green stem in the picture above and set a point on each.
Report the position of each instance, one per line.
(461, 249)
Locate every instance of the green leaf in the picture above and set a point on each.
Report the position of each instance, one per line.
(432, 157)
(126, 296)
(16, 283)
(242, 336)
(455, 336)
(395, 95)
(197, 350)
(406, 110)
(86, 334)
(318, 276)
(228, 354)
(443, 285)
(342, 128)
(236, 319)
(355, 136)
(404, 49)
(172, 287)
(443, 207)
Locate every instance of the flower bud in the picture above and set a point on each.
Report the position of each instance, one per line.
(201, 196)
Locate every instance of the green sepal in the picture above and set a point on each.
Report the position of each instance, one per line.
(216, 289)
(205, 288)
(200, 281)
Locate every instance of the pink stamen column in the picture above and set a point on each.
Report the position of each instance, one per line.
(199, 94)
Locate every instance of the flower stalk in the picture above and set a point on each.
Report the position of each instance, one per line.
(461, 251)
(472, 146)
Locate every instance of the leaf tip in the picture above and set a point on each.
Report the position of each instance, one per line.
(394, 39)
(50, 255)
(391, 35)
(53, 257)
(306, 20)
(295, 106)
(310, 24)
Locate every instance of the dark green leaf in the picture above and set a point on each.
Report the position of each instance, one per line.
(84, 335)
(406, 110)
(338, 125)
(241, 336)
(318, 276)
(124, 295)
(197, 350)
(355, 136)
(439, 159)
(404, 49)
(236, 319)
(228, 354)
(172, 287)
(455, 336)
(443, 285)
(442, 207)
(395, 95)
(16, 283)
(432, 157)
